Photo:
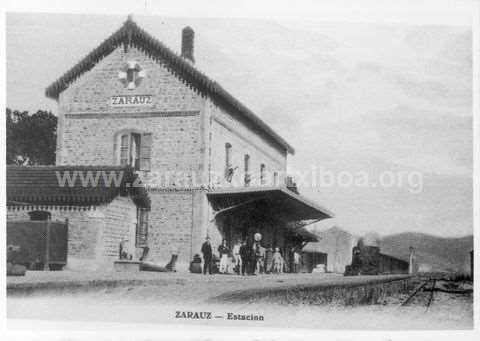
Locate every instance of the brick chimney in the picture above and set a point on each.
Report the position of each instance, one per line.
(187, 43)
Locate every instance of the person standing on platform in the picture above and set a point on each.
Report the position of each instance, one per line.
(289, 261)
(237, 259)
(244, 256)
(297, 260)
(277, 261)
(252, 259)
(223, 252)
(268, 259)
(207, 256)
(260, 267)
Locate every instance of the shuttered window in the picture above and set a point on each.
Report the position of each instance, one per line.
(262, 174)
(135, 144)
(228, 162)
(247, 169)
(124, 143)
(145, 152)
(228, 155)
(135, 150)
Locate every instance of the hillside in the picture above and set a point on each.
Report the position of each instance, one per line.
(440, 254)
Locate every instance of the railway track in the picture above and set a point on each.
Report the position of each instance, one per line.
(423, 293)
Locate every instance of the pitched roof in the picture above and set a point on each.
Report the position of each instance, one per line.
(89, 185)
(130, 34)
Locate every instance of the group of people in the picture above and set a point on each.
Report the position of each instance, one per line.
(249, 259)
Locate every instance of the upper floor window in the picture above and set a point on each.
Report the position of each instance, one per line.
(228, 155)
(228, 162)
(262, 174)
(134, 149)
(247, 169)
(275, 179)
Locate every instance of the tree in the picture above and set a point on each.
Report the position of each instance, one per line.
(31, 139)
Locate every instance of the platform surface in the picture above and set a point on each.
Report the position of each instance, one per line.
(191, 286)
(153, 298)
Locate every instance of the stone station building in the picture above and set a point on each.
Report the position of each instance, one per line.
(211, 166)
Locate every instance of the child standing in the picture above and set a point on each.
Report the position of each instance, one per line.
(277, 261)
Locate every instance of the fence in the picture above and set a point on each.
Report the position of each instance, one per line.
(42, 244)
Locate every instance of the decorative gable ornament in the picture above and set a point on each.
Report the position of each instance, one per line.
(131, 75)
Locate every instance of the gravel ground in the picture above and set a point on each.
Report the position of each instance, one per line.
(186, 292)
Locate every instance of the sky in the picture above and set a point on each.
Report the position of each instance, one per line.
(356, 98)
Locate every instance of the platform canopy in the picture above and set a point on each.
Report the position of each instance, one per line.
(295, 210)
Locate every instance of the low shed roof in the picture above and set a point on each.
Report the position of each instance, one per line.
(73, 185)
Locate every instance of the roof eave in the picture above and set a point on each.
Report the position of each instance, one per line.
(328, 214)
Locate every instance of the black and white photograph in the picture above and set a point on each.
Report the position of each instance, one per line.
(279, 168)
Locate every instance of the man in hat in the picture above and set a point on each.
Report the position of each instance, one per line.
(207, 256)
(245, 257)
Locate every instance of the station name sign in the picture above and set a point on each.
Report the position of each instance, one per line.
(130, 100)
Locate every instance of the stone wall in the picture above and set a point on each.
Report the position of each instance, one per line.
(120, 224)
(94, 234)
(84, 232)
(170, 227)
(226, 128)
(174, 152)
(358, 291)
(91, 92)
(88, 123)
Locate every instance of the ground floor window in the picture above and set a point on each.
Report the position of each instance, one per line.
(141, 235)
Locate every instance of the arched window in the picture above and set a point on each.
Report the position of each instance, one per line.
(247, 169)
(134, 149)
(262, 174)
